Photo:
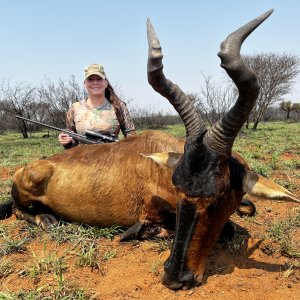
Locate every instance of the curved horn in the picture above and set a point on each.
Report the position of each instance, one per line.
(223, 133)
(185, 108)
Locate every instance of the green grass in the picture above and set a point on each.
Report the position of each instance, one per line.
(175, 130)
(269, 139)
(64, 291)
(73, 232)
(49, 262)
(6, 267)
(282, 233)
(163, 244)
(109, 254)
(15, 150)
(88, 255)
(155, 266)
(10, 245)
(82, 244)
(263, 149)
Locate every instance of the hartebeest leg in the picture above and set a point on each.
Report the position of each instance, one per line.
(30, 185)
(44, 220)
(246, 208)
(144, 230)
(157, 220)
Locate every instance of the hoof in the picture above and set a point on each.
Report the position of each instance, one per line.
(227, 233)
(45, 221)
(246, 209)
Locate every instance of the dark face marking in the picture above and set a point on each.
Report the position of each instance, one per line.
(237, 172)
(201, 171)
(177, 274)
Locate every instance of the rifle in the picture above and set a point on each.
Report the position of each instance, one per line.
(90, 136)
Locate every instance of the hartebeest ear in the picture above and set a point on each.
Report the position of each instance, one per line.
(169, 159)
(258, 186)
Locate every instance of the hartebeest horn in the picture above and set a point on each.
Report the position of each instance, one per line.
(183, 105)
(223, 133)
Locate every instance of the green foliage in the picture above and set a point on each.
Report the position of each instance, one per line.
(12, 242)
(289, 106)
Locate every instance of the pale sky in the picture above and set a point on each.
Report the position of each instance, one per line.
(55, 39)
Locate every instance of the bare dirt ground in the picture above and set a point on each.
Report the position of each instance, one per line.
(250, 267)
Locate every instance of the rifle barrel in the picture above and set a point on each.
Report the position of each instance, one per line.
(76, 136)
(39, 123)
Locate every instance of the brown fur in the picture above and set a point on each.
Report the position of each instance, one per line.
(111, 182)
(211, 222)
(129, 183)
(125, 183)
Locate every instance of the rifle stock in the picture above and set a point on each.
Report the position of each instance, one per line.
(95, 137)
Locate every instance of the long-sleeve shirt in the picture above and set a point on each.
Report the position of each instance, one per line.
(105, 119)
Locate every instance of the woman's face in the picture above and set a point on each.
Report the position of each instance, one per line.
(95, 85)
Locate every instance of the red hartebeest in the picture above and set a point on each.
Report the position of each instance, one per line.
(153, 182)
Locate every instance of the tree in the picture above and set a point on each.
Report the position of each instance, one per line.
(276, 74)
(288, 106)
(214, 100)
(18, 99)
(152, 119)
(58, 97)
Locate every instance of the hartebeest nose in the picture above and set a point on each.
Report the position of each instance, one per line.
(184, 280)
(178, 277)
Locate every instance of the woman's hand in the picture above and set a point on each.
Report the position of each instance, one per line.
(64, 139)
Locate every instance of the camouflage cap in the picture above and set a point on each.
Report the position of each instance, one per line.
(94, 69)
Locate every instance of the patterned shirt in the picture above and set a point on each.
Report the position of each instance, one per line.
(105, 119)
